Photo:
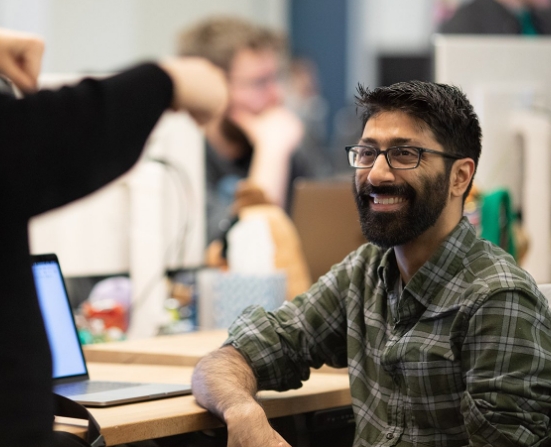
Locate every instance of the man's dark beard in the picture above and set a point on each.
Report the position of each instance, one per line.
(236, 135)
(421, 211)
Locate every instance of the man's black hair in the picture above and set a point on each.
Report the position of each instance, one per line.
(443, 108)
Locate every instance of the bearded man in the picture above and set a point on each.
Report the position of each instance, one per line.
(446, 340)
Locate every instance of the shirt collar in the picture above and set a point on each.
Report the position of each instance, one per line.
(443, 265)
(387, 269)
(438, 271)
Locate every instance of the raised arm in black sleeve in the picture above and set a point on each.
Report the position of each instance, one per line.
(56, 147)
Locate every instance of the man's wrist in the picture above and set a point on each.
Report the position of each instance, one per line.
(251, 412)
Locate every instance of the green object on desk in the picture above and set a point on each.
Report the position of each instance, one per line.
(85, 337)
(497, 220)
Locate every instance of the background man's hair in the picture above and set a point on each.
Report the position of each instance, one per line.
(219, 39)
(443, 108)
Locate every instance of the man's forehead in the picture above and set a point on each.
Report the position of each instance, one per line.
(248, 59)
(397, 124)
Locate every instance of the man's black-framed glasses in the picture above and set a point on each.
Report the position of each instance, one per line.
(397, 157)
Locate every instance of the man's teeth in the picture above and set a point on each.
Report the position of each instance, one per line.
(388, 200)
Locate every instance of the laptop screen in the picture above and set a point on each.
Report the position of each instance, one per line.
(67, 356)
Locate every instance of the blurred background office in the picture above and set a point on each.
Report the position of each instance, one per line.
(334, 45)
(348, 41)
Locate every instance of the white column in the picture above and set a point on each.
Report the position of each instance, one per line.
(535, 130)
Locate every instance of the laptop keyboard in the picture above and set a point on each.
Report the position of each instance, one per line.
(94, 386)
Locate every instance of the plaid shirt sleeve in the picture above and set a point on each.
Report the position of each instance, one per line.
(310, 331)
(506, 356)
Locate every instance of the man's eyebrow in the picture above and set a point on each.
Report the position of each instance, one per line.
(369, 141)
(398, 141)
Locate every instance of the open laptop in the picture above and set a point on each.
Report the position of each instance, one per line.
(70, 374)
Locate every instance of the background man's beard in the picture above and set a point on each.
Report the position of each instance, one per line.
(421, 211)
(234, 134)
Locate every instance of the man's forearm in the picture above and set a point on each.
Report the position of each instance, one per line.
(225, 384)
(223, 380)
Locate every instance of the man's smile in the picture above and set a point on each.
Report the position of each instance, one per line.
(386, 202)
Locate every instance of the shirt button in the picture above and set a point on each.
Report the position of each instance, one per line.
(389, 436)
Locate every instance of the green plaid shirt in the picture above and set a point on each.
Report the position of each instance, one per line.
(462, 357)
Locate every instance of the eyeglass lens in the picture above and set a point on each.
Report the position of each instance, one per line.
(398, 157)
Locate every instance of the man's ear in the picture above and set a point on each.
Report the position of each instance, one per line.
(461, 174)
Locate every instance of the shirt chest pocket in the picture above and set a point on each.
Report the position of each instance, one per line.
(430, 365)
(431, 373)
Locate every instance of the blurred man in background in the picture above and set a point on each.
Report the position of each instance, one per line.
(251, 153)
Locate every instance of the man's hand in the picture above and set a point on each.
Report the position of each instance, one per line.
(275, 134)
(276, 128)
(199, 87)
(21, 58)
(224, 383)
(248, 427)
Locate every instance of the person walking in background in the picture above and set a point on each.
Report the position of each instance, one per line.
(528, 17)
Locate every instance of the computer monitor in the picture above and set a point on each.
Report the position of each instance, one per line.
(508, 81)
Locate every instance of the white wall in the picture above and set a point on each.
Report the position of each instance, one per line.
(105, 35)
(389, 27)
(399, 26)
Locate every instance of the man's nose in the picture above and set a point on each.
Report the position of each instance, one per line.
(381, 172)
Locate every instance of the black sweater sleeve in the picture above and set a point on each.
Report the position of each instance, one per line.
(56, 147)
(61, 145)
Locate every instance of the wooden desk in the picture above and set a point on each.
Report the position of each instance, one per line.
(181, 350)
(176, 415)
